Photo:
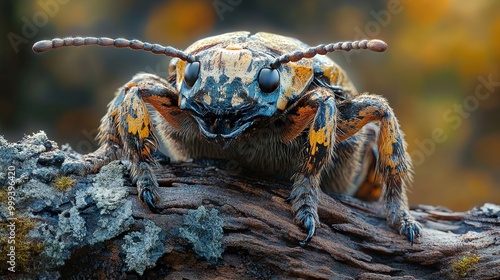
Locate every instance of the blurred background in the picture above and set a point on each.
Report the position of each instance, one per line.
(440, 72)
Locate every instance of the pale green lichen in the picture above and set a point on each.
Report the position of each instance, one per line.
(20, 170)
(25, 154)
(203, 229)
(93, 210)
(71, 222)
(36, 195)
(108, 191)
(144, 248)
(37, 162)
(110, 195)
(54, 252)
(107, 195)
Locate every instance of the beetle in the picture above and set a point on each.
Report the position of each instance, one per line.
(293, 107)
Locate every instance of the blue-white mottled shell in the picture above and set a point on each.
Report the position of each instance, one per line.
(239, 56)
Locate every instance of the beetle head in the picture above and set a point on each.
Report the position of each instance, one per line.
(228, 89)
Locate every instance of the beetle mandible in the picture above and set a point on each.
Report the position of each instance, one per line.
(220, 94)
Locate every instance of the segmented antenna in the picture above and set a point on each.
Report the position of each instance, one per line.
(47, 45)
(373, 45)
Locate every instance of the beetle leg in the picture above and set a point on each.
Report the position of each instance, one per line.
(394, 168)
(127, 131)
(318, 111)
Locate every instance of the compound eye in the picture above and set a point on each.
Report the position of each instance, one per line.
(269, 80)
(191, 73)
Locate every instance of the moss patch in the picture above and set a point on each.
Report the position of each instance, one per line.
(24, 247)
(464, 265)
(63, 183)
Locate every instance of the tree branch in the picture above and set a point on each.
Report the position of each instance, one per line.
(98, 229)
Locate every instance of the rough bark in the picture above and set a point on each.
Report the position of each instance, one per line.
(95, 236)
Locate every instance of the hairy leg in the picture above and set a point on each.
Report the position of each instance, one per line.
(394, 167)
(127, 131)
(315, 113)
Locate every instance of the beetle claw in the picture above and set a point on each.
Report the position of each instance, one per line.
(310, 226)
(411, 229)
(147, 197)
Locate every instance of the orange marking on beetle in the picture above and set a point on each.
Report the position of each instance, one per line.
(309, 166)
(320, 137)
(298, 122)
(131, 84)
(386, 141)
(369, 111)
(371, 190)
(139, 125)
(157, 101)
(387, 136)
(301, 75)
(113, 138)
(113, 114)
(146, 151)
(336, 75)
(294, 79)
(316, 137)
(167, 110)
(333, 74)
(350, 127)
